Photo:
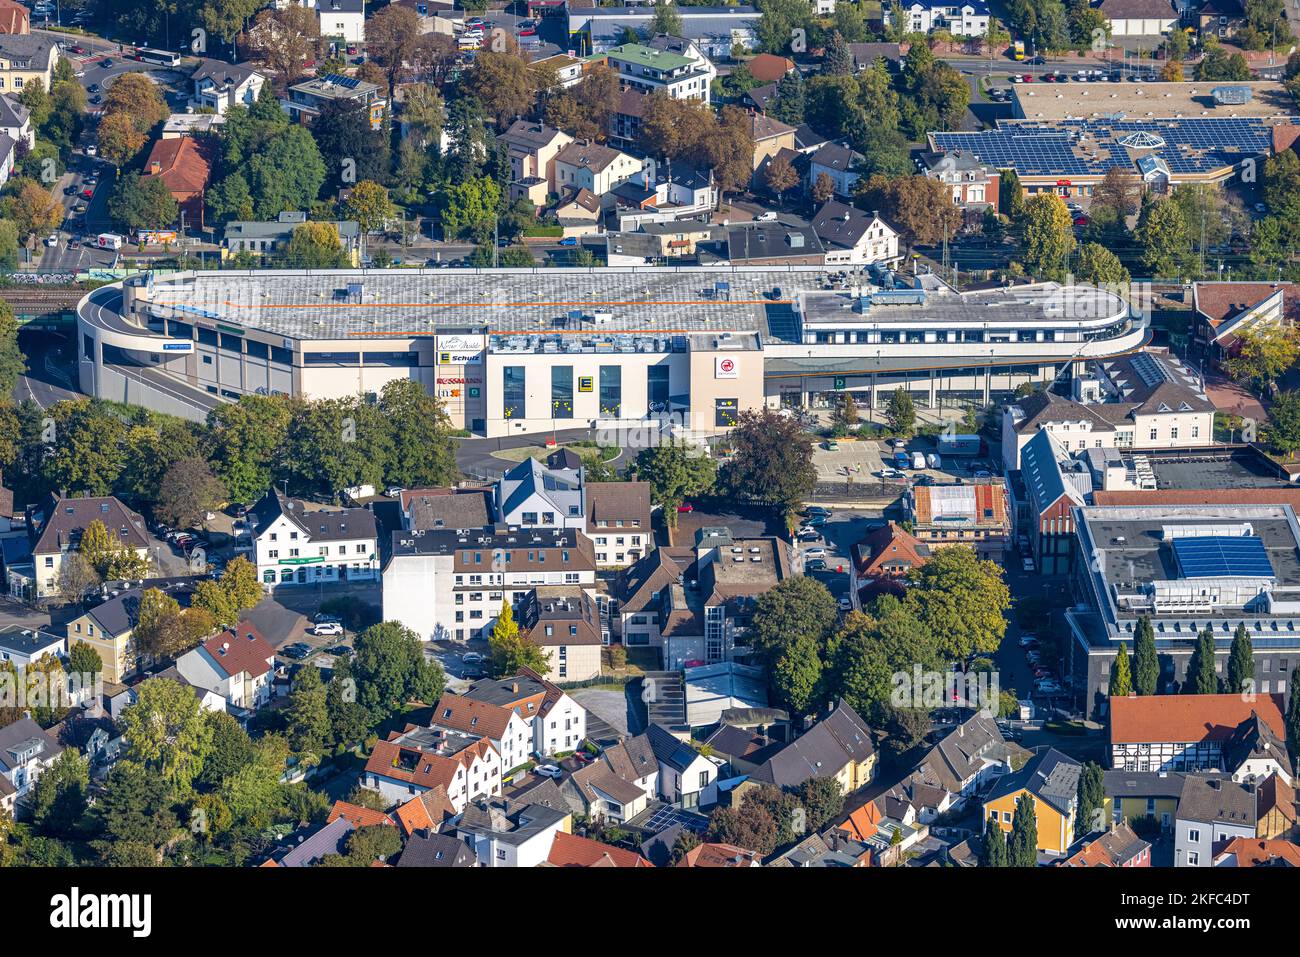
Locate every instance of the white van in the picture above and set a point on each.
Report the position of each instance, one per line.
(918, 460)
(934, 460)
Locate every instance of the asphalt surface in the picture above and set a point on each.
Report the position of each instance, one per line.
(51, 371)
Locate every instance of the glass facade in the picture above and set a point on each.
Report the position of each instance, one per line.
(657, 389)
(561, 392)
(513, 380)
(611, 392)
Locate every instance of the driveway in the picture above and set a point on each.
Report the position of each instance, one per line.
(852, 459)
(608, 713)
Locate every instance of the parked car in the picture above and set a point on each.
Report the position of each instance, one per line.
(1027, 564)
(106, 62)
(888, 473)
(550, 771)
(339, 651)
(816, 551)
(816, 565)
(472, 658)
(686, 507)
(809, 535)
(328, 628)
(845, 603)
(569, 241)
(297, 651)
(1027, 641)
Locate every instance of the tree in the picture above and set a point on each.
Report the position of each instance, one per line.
(1048, 236)
(13, 364)
(1121, 681)
(1022, 846)
(1099, 266)
(1293, 716)
(921, 209)
(8, 245)
(1264, 354)
(249, 439)
(901, 413)
(134, 807)
(77, 578)
(1219, 64)
(1172, 71)
(511, 650)
(283, 41)
(823, 188)
(137, 96)
(308, 712)
(119, 140)
(1201, 676)
(188, 491)
(158, 624)
(666, 20)
(993, 850)
(143, 202)
(1241, 664)
(839, 58)
(231, 749)
(1165, 239)
(687, 841)
(369, 204)
(870, 649)
(423, 113)
(1146, 670)
(59, 801)
(33, 210)
(1089, 813)
(350, 146)
(1284, 422)
(822, 799)
(392, 38)
(1118, 192)
(796, 673)
(503, 84)
(467, 208)
(390, 669)
(423, 453)
(780, 177)
(788, 105)
(675, 472)
(773, 460)
(315, 246)
(84, 660)
(962, 600)
(167, 732)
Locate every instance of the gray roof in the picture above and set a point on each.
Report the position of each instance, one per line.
(1050, 776)
(330, 839)
(280, 229)
(436, 850)
(562, 488)
(16, 639)
(511, 822)
(529, 135)
(318, 524)
(62, 520)
(1215, 799)
(1141, 784)
(273, 620)
(448, 508)
(12, 113)
(839, 224)
(22, 735)
(840, 737)
(1041, 471)
(670, 750)
(26, 50)
(835, 156)
(223, 73)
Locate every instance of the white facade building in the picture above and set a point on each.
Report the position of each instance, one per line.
(295, 544)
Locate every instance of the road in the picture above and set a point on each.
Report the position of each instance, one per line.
(51, 372)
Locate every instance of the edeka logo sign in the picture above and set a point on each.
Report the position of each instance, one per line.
(725, 367)
(74, 911)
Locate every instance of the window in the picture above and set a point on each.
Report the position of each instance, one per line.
(513, 382)
(561, 392)
(657, 389)
(611, 392)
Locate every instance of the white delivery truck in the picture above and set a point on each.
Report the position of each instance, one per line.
(109, 241)
(918, 460)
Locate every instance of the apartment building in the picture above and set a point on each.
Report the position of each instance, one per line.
(974, 515)
(418, 760)
(673, 66)
(296, 543)
(557, 722)
(55, 528)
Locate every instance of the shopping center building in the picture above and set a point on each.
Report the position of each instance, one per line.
(520, 351)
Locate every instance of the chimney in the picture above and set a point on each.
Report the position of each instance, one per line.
(514, 687)
(155, 168)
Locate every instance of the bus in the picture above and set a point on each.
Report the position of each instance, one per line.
(162, 57)
(1018, 49)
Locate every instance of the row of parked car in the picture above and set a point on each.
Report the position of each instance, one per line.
(1046, 681)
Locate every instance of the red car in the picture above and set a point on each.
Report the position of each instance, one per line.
(88, 192)
(527, 28)
(686, 507)
(78, 50)
(1081, 220)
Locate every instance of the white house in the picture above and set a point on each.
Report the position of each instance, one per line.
(686, 777)
(238, 664)
(557, 722)
(836, 161)
(510, 733)
(1212, 809)
(507, 833)
(674, 66)
(343, 20)
(583, 164)
(21, 646)
(420, 759)
(217, 86)
(969, 19)
(854, 237)
(26, 752)
(1139, 18)
(298, 544)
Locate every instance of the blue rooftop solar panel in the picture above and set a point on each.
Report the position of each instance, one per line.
(1217, 556)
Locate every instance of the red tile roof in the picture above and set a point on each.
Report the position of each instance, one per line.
(889, 545)
(1201, 717)
(570, 850)
(718, 855)
(1254, 852)
(471, 716)
(14, 18)
(426, 811)
(356, 815)
(768, 68)
(180, 163)
(241, 650)
(1220, 301)
(422, 768)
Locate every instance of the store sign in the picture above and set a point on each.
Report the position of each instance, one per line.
(459, 350)
(178, 347)
(725, 367)
(586, 383)
(458, 380)
(300, 561)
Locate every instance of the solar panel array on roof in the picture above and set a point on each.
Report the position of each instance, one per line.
(1090, 147)
(1222, 557)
